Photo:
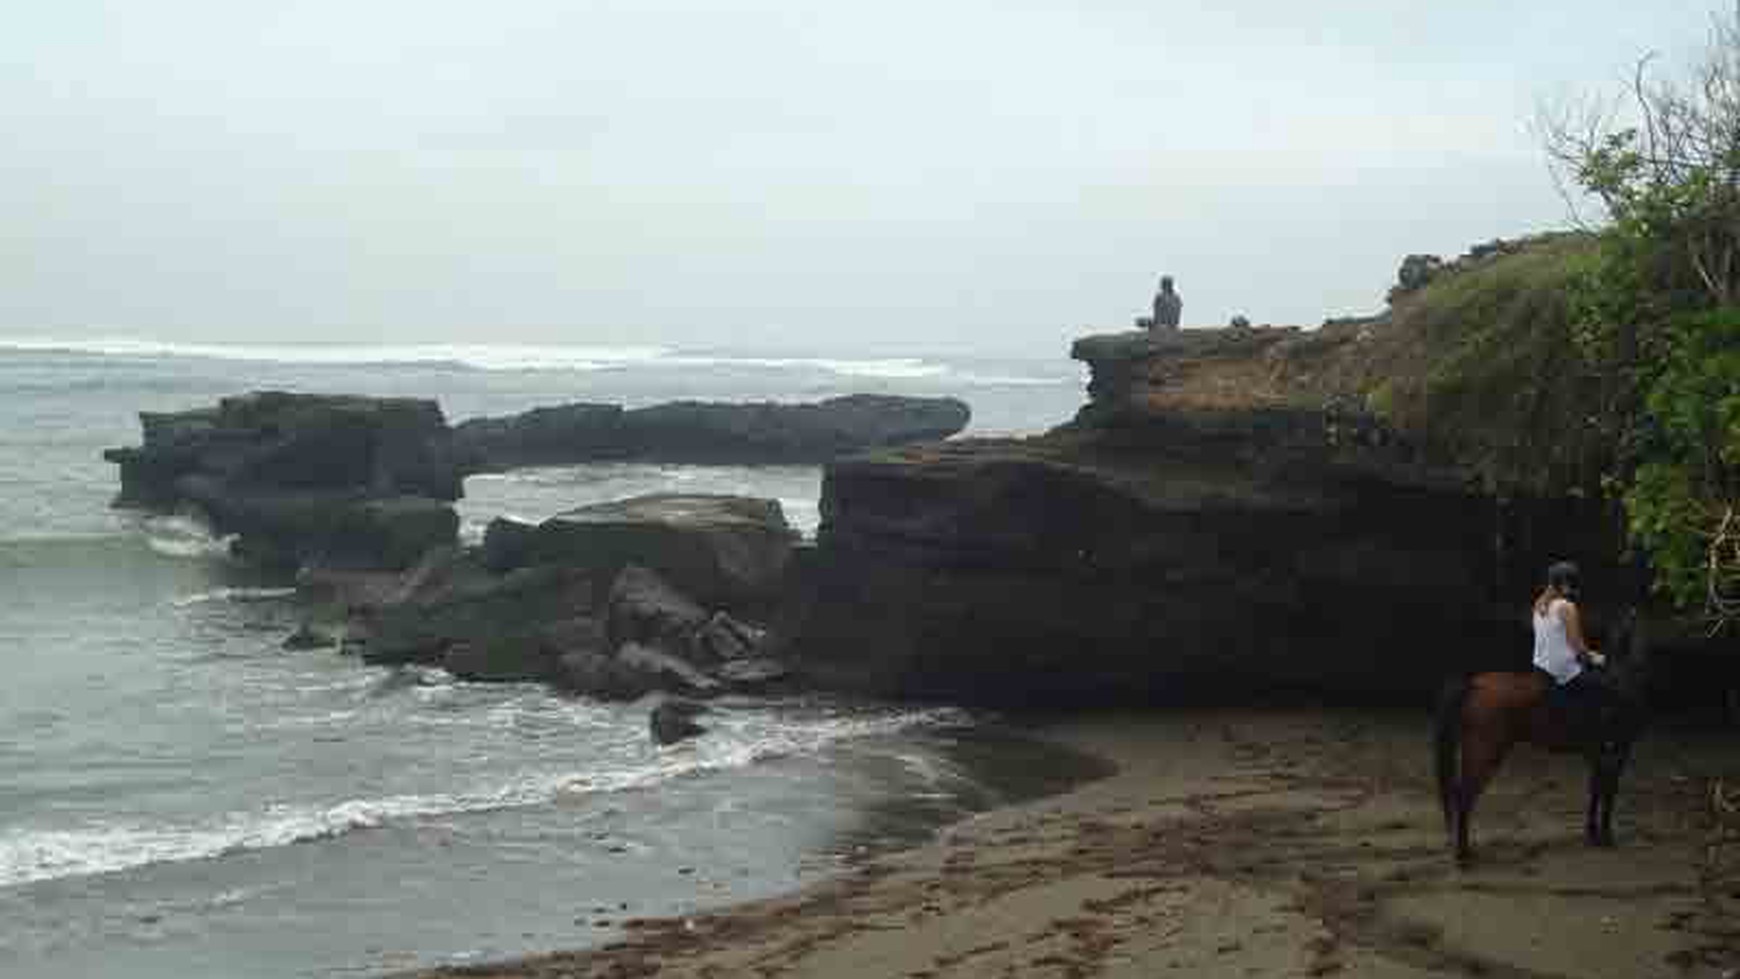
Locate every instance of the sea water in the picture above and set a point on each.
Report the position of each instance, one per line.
(179, 796)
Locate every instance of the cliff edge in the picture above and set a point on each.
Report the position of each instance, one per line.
(1234, 512)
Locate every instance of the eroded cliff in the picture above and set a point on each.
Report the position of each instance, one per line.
(1233, 513)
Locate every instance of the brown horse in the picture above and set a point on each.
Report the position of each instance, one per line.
(1481, 717)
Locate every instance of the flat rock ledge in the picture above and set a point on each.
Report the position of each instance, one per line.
(706, 432)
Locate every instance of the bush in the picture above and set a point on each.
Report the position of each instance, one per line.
(1656, 308)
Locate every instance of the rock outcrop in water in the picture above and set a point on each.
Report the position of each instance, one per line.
(611, 601)
(723, 550)
(359, 482)
(301, 478)
(1196, 532)
(708, 433)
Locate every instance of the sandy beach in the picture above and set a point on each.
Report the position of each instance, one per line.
(1278, 843)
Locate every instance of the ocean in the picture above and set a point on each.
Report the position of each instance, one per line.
(179, 796)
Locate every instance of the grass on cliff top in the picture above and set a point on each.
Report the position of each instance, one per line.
(1479, 368)
(1480, 365)
(1498, 381)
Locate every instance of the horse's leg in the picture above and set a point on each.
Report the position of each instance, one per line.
(1608, 769)
(1611, 739)
(1598, 800)
(1482, 752)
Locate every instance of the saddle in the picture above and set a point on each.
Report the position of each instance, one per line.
(1585, 709)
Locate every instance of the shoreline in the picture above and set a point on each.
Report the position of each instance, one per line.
(1247, 842)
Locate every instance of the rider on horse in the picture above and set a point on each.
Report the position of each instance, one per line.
(1562, 704)
(1563, 654)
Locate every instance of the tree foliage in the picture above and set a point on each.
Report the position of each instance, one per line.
(1657, 306)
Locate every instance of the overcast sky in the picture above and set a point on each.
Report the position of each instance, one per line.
(824, 174)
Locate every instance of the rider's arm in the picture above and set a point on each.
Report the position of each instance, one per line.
(1574, 633)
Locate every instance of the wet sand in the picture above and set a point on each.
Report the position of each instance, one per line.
(1283, 843)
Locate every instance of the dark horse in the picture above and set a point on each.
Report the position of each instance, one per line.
(1480, 717)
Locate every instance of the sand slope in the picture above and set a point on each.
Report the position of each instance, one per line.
(1287, 843)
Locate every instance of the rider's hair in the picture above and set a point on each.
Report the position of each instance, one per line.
(1562, 578)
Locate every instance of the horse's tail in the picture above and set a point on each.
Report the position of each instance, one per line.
(1446, 739)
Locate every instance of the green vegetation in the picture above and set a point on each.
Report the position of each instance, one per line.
(1654, 308)
(1481, 365)
(1682, 500)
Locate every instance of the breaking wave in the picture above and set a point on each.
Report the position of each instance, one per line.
(501, 357)
(531, 357)
(28, 856)
(186, 537)
(237, 594)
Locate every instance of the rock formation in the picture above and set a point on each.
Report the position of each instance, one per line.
(725, 551)
(358, 482)
(347, 481)
(674, 720)
(612, 601)
(706, 433)
(1198, 531)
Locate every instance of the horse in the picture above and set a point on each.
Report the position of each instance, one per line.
(1482, 716)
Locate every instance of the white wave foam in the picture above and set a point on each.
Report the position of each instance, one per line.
(184, 537)
(28, 856)
(473, 529)
(49, 536)
(49, 854)
(233, 595)
(891, 368)
(517, 357)
(502, 357)
(973, 379)
(804, 514)
(735, 742)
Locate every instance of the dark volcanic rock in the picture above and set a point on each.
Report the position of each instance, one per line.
(525, 655)
(528, 654)
(645, 608)
(344, 480)
(598, 674)
(553, 622)
(723, 551)
(307, 637)
(724, 639)
(475, 610)
(674, 720)
(665, 671)
(757, 675)
(393, 532)
(542, 436)
(507, 543)
(500, 658)
(706, 432)
(1167, 556)
(277, 439)
(353, 588)
(1134, 374)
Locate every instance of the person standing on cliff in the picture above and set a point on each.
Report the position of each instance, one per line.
(1168, 307)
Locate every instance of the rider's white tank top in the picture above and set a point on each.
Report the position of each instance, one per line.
(1553, 651)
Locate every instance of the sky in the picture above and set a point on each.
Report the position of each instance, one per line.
(828, 175)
